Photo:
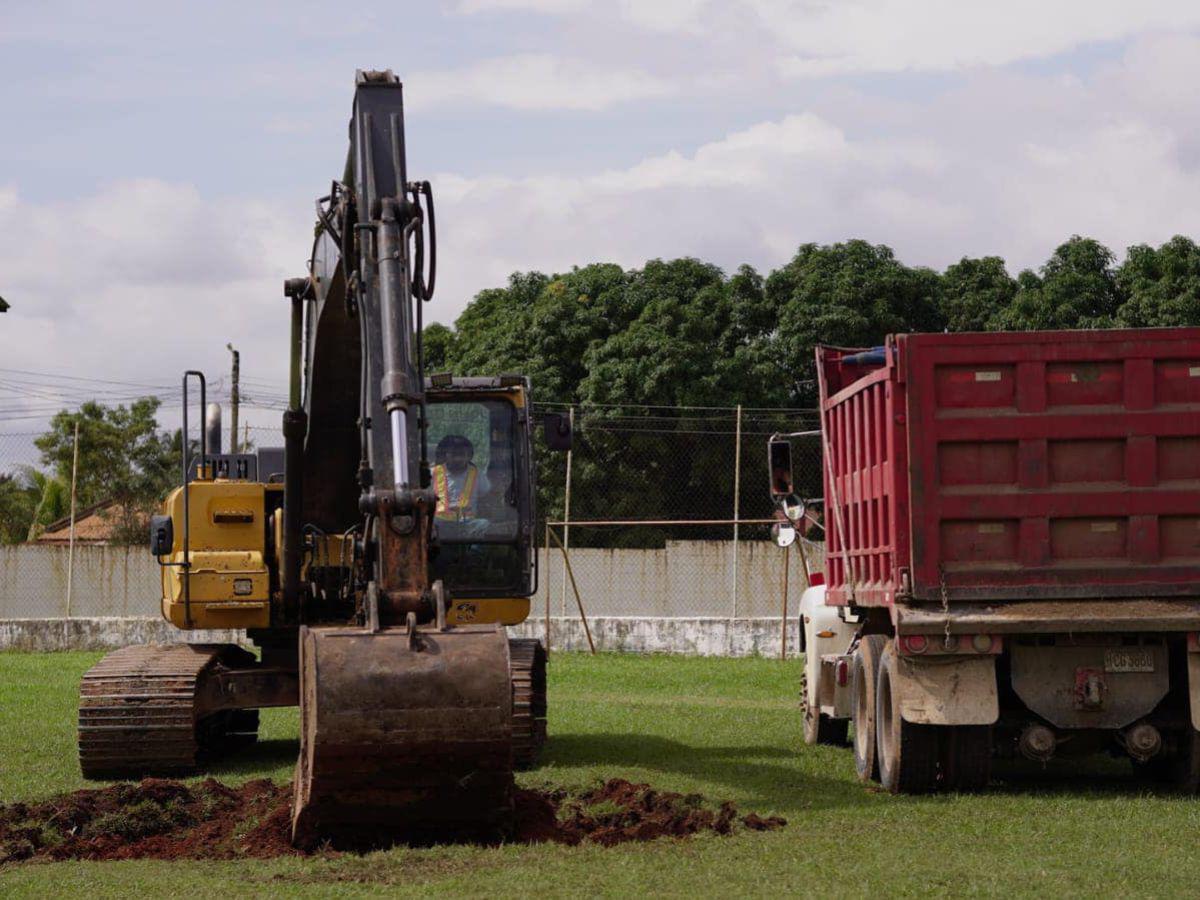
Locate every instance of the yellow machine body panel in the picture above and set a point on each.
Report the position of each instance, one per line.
(488, 610)
(230, 584)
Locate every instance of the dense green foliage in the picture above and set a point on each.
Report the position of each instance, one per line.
(123, 457)
(624, 346)
(29, 501)
(682, 333)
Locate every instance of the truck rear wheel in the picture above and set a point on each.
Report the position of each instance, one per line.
(967, 757)
(907, 752)
(866, 673)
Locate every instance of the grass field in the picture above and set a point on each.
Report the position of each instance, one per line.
(724, 728)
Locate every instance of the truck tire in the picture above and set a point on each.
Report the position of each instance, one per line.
(907, 752)
(1181, 770)
(1185, 773)
(866, 673)
(967, 757)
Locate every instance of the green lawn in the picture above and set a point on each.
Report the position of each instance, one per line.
(724, 728)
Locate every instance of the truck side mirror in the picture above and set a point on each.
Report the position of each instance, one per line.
(557, 430)
(162, 535)
(779, 454)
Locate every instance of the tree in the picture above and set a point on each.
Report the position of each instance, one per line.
(16, 509)
(122, 457)
(672, 351)
(678, 350)
(437, 342)
(29, 500)
(1162, 286)
(974, 291)
(53, 500)
(1078, 288)
(851, 295)
(491, 333)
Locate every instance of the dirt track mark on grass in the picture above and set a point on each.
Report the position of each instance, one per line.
(161, 819)
(704, 702)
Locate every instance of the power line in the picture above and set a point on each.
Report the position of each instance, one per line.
(89, 380)
(585, 405)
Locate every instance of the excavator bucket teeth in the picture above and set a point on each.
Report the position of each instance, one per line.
(403, 737)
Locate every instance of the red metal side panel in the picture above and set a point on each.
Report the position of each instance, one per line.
(1054, 464)
(866, 486)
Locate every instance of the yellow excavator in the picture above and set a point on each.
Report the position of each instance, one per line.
(376, 581)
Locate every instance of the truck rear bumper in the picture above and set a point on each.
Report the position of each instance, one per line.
(1049, 617)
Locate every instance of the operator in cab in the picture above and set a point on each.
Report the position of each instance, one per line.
(459, 485)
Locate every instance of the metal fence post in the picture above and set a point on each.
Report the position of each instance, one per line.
(737, 496)
(546, 588)
(566, 541)
(71, 539)
(783, 624)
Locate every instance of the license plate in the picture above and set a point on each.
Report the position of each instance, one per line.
(1129, 659)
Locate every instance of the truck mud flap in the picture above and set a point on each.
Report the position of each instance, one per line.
(947, 691)
(1194, 687)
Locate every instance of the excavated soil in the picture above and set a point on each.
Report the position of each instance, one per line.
(161, 819)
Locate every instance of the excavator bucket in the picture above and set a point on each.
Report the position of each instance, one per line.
(405, 735)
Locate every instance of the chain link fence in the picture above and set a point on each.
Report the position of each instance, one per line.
(665, 513)
(656, 512)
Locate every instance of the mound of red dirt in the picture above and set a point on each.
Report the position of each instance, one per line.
(162, 819)
(157, 818)
(619, 811)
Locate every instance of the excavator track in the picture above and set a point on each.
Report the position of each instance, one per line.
(141, 710)
(528, 660)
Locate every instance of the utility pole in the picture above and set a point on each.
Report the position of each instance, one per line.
(233, 400)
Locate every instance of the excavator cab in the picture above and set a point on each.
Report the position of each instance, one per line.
(479, 435)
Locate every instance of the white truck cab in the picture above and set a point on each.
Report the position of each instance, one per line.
(826, 638)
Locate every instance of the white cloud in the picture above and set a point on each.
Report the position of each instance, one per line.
(1005, 163)
(815, 38)
(665, 15)
(549, 7)
(896, 35)
(144, 279)
(534, 81)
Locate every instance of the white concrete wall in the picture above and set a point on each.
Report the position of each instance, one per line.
(108, 581)
(691, 636)
(684, 579)
(102, 634)
(689, 579)
(699, 637)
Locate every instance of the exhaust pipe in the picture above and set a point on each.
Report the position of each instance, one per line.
(212, 427)
(295, 426)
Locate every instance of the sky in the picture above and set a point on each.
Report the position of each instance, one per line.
(159, 161)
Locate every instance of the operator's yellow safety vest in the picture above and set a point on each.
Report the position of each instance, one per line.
(441, 485)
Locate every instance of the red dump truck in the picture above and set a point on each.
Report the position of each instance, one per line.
(1012, 538)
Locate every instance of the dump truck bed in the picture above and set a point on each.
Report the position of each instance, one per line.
(1047, 466)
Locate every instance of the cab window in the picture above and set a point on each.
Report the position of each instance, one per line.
(474, 469)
